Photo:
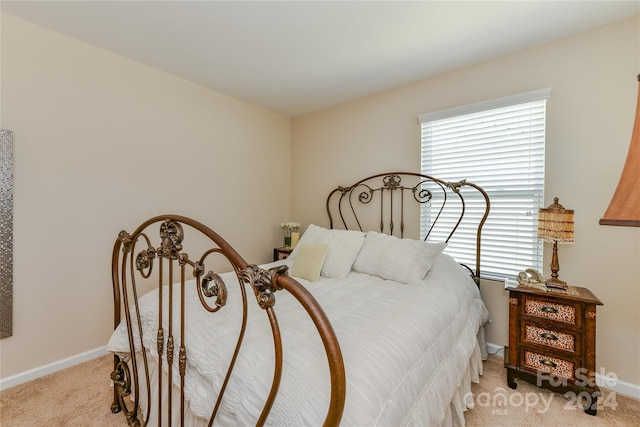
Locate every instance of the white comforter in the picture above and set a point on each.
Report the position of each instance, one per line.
(406, 350)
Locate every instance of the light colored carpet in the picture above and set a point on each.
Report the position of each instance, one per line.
(81, 396)
(529, 405)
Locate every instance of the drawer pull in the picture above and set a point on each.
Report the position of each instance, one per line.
(547, 362)
(547, 309)
(549, 336)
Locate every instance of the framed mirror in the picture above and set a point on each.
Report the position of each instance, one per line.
(6, 233)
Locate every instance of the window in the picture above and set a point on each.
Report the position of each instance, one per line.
(498, 145)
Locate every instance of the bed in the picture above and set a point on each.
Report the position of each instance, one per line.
(372, 327)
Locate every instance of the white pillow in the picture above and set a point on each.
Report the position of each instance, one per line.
(309, 261)
(309, 237)
(344, 246)
(400, 260)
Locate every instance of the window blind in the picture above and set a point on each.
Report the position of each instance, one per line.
(499, 145)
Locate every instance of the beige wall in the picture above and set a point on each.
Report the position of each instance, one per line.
(589, 123)
(100, 144)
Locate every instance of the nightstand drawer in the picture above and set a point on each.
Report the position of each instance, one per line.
(559, 312)
(548, 364)
(550, 337)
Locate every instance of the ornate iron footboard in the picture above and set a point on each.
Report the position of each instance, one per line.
(134, 257)
(448, 206)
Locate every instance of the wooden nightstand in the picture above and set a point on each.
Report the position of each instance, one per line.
(552, 342)
(281, 253)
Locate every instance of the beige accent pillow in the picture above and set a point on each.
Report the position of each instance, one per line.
(344, 246)
(309, 261)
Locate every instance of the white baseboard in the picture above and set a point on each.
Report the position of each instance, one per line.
(496, 350)
(605, 381)
(619, 386)
(614, 384)
(41, 371)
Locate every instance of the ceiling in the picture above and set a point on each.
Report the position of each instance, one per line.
(296, 57)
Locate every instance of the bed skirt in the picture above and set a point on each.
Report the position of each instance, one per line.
(463, 398)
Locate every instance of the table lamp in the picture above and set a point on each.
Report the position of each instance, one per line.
(555, 225)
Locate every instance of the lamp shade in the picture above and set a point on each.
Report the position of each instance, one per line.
(624, 208)
(555, 224)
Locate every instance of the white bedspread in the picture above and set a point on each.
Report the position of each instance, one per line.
(406, 350)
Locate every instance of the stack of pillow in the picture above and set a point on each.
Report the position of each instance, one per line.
(334, 253)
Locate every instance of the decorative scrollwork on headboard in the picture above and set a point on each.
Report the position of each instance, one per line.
(390, 193)
(422, 195)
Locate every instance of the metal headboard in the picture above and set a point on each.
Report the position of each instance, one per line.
(393, 193)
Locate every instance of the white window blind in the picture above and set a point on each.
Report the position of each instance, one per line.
(499, 145)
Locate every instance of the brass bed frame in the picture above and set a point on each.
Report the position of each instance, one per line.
(134, 261)
(128, 263)
(392, 190)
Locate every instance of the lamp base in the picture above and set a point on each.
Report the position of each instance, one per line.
(556, 283)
